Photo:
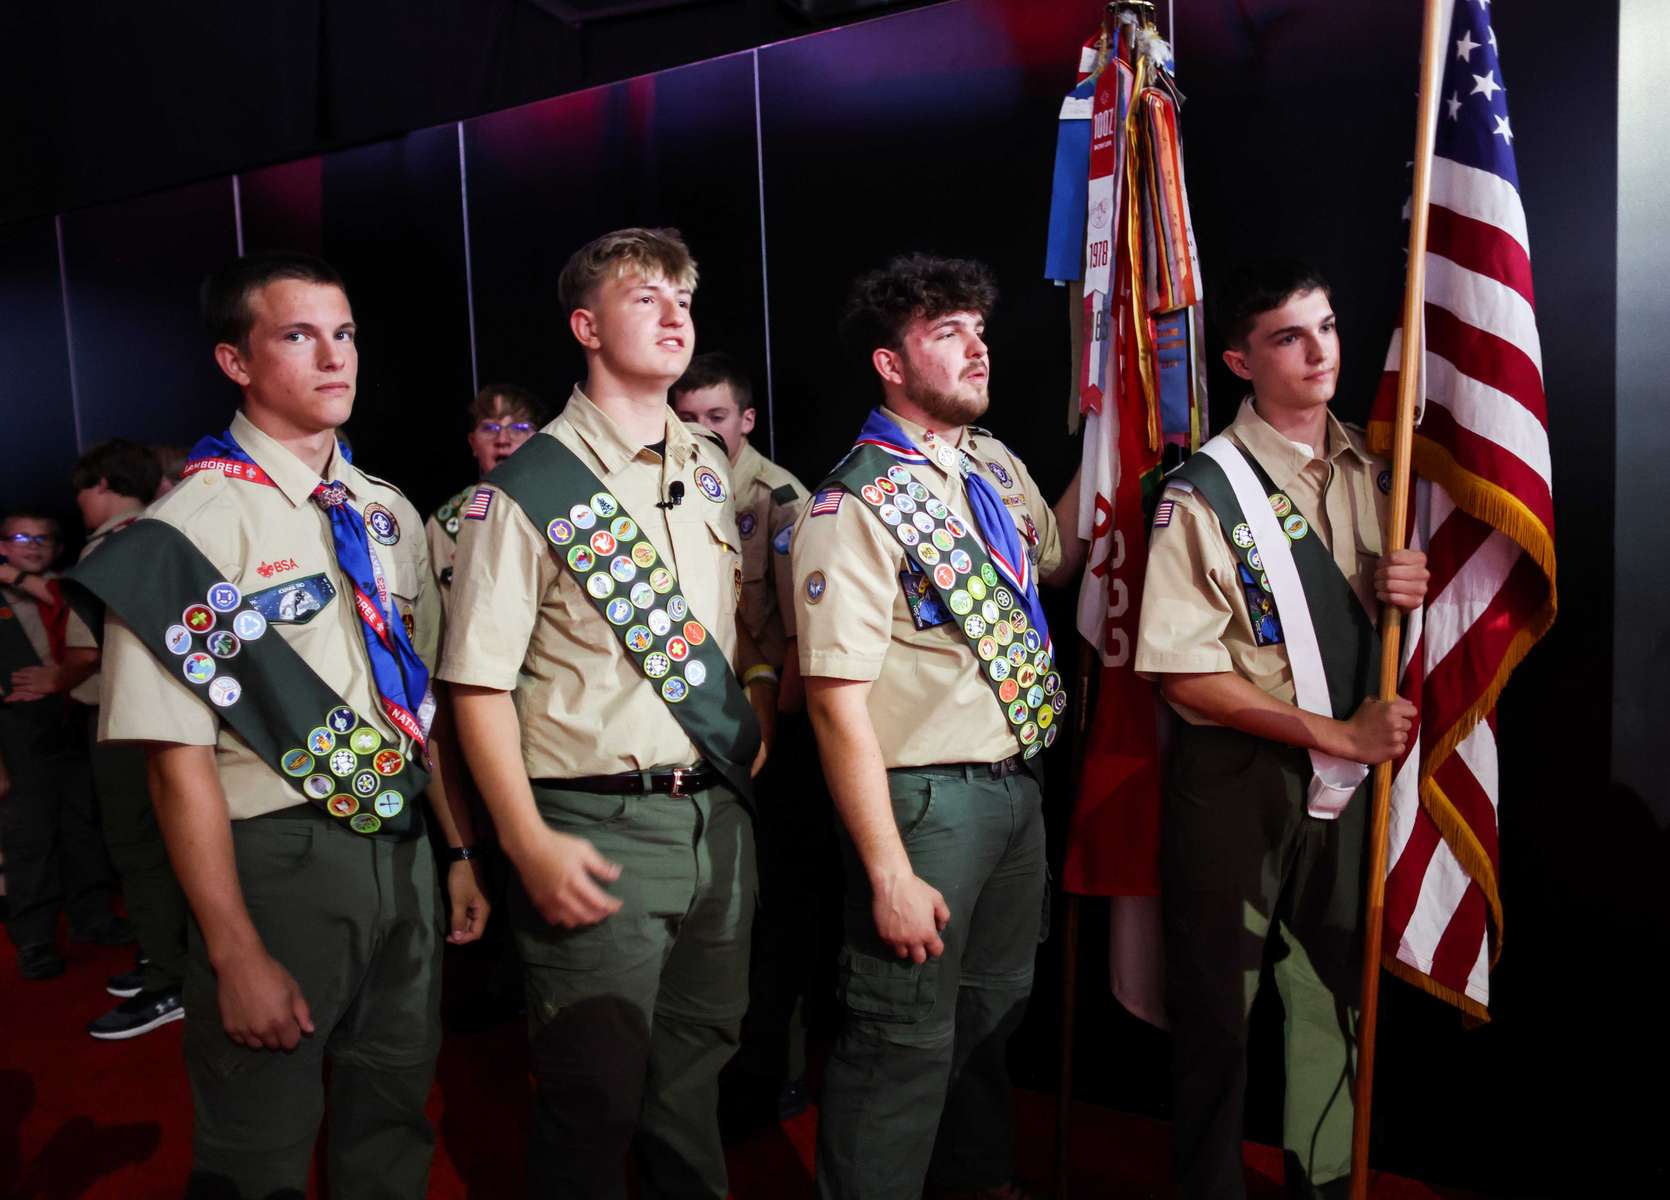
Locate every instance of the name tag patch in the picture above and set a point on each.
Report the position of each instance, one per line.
(293, 603)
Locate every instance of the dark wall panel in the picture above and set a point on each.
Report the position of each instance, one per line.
(34, 372)
(143, 365)
(671, 149)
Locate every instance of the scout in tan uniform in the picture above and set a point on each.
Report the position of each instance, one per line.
(766, 1081)
(932, 689)
(282, 713)
(55, 857)
(590, 646)
(1262, 835)
(502, 417)
(113, 482)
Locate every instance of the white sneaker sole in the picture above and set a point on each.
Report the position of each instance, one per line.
(177, 1014)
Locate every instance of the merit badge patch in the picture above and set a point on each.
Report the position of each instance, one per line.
(382, 526)
(1295, 527)
(249, 625)
(745, 524)
(178, 639)
(710, 485)
(224, 691)
(479, 503)
(223, 597)
(293, 603)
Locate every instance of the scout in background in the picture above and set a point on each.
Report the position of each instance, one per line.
(55, 856)
(502, 417)
(932, 687)
(766, 1081)
(1259, 622)
(269, 623)
(592, 645)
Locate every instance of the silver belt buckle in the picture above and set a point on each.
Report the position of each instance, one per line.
(678, 782)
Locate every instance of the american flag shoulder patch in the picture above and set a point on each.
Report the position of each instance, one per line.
(476, 510)
(828, 502)
(1162, 514)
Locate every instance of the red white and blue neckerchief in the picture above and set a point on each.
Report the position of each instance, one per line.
(997, 531)
(401, 679)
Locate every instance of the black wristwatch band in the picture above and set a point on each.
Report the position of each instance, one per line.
(459, 854)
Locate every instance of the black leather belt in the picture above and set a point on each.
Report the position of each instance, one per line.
(997, 770)
(680, 781)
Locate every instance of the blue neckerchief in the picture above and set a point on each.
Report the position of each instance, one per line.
(401, 678)
(997, 530)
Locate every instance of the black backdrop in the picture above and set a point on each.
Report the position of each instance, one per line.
(791, 167)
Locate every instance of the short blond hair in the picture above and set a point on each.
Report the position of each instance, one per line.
(650, 253)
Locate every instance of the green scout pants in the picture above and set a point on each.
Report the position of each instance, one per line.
(155, 904)
(49, 828)
(925, 1040)
(1246, 873)
(355, 920)
(631, 1019)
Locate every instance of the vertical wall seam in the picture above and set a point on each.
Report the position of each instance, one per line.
(765, 270)
(69, 335)
(469, 266)
(238, 212)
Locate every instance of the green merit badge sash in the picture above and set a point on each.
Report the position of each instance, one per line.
(1009, 654)
(448, 515)
(200, 625)
(639, 597)
(16, 650)
(1333, 647)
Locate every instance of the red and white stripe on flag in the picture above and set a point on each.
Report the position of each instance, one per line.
(1483, 511)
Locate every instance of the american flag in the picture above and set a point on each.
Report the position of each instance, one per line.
(479, 503)
(1483, 510)
(828, 502)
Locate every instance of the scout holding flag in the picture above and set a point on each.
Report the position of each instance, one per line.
(591, 642)
(1258, 622)
(933, 689)
(267, 631)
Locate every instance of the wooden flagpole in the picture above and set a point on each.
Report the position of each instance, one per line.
(1410, 376)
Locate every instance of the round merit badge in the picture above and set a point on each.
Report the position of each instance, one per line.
(904, 503)
(177, 638)
(1000, 669)
(364, 823)
(643, 554)
(600, 585)
(642, 594)
(223, 597)
(872, 493)
(927, 554)
(618, 610)
(710, 485)
(908, 535)
(678, 649)
(638, 639)
(199, 667)
(581, 558)
(816, 585)
(1008, 690)
(936, 508)
(694, 633)
(695, 674)
(321, 740)
(365, 740)
(1242, 535)
(343, 763)
(898, 474)
(199, 618)
(1295, 527)
(886, 485)
(657, 664)
(295, 762)
(1280, 505)
(560, 532)
(582, 516)
(389, 804)
(605, 505)
(224, 691)
(381, 525)
(674, 689)
(745, 524)
(318, 786)
(249, 625)
(922, 521)
(974, 625)
(603, 542)
(622, 568)
(955, 527)
(990, 610)
(976, 587)
(986, 649)
(388, 762)
(944, 576)
(677, 607)
(624, 528)
(340, 719)
(660, 624)
(366, 782)
(222, 643)
(961, 563)
(343, 806)
(1255, 560)
(661, 580)
(989, 574)
(889, 514)
(944, 540)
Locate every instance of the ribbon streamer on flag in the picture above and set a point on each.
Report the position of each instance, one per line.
(1483, 511)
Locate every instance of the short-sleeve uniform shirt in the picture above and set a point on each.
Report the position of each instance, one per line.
(768, 499)
(929, 703)
(441, 530)
(520, 622)
(273, 538)
(1194, 609)
(76, 634)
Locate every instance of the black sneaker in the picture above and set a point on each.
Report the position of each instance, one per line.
(107, 931)
(138, 1015)
(128, 983)
(40, 961)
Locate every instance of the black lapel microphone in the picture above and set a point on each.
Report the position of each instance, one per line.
(675, 495)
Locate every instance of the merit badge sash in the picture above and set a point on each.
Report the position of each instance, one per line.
(200, 625)
(1301, 595)
(638, 595)
(987, 588)
(16, 650)
(447, 516)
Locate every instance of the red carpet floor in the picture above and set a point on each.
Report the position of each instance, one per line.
(82, 1118)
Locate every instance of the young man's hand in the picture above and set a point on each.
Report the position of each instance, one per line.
(1400, 579)
(261, 1005)
(1377, 731)
(909, 915)
(467, 901)
(561, 874)
(36, 682)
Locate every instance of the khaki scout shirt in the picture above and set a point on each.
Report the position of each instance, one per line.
(76, 635)
(929, 702)
(262, 537)
(1194, 612)
(441, 530)
(767, 588)
(519, 621)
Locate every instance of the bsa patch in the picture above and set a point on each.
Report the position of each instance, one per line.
(710, 485)
(479, 503)
(381, 525)
(745, 524)
(816, 585)
(1000, 474)
(293, 603)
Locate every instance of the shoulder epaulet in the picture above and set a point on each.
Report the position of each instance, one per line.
(982, 431)
(717, 441)
(787, 494)
(381, 482)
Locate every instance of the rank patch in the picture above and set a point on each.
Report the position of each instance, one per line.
(816, 585)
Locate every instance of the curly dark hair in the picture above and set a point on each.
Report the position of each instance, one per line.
(881, 303)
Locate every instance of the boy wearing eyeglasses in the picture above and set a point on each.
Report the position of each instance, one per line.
(502, 417)
(55, 858)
